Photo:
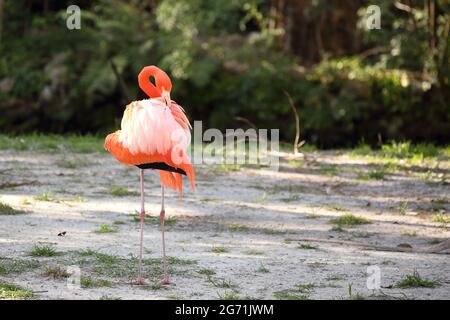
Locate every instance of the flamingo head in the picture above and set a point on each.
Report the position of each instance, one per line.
(162, 86)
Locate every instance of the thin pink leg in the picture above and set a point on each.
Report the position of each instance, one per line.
(140, 280)
(162, 217)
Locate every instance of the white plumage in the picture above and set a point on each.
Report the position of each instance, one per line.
(149, 127)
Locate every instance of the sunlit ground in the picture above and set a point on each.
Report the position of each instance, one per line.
(307, 231)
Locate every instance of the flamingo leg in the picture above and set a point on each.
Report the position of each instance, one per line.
(140, 280)
(162, 217)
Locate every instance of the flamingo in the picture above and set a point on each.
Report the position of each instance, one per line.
(155, 134)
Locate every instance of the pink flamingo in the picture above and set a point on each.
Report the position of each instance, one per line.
(155, 134)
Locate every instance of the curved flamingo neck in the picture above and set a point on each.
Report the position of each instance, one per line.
(162, 81)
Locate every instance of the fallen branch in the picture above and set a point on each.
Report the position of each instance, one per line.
(436, 249)
(6, 185)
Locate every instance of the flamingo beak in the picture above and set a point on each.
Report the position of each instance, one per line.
(166, 97)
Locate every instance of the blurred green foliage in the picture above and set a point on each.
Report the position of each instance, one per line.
(228, 59)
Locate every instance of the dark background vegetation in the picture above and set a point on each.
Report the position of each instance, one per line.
(232, 58)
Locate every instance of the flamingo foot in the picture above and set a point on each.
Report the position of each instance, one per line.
(166, 281)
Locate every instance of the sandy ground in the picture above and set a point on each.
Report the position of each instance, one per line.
(228, 238)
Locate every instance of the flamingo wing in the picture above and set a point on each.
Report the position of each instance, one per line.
(152, 133)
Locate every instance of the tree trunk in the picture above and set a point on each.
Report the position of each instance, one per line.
(312, 32)
(1, 19)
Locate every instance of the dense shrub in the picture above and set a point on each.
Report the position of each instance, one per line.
(227, 59)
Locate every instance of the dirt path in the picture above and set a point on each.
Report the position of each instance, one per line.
(228, 239)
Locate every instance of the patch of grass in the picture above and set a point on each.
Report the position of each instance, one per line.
(87, 283)
(252, 298)
(441, 218)
(61, 190)
(425, 150)
(290, 295)
(402, 208)
(87, 253)
(229, 296)
(352, 296)
(119, 222)
(207, 272)
(253, 252)
(72, 163)
(196, 294)
(336, 207)
(154, 286)
(271, 231)
(168, 222)
(307, 246)
(291, 198)
(15, 266)
(238, 227)
(402, 151)
(24, 201)
(362, 149)
(6, 209)
(378, 174)
(219, 250)
(300, 292)
(263, 269)
(415, 281)
(43, 251)
(222, 283)
(434, 241)
(429, 175)
(52, 143)
(179, 261)
(45, 197)
(11, 291)
(56, 272)
(349, 220)
(396, 149)
(305, 288)
(336, 277)
(118, 191)
(406, 150)
(331, 285)
(295, 163)
(124, 268)
(106, 258)
(104, 228)
(329, 171)
(338, 229)
(404, 245)
(409, 234)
